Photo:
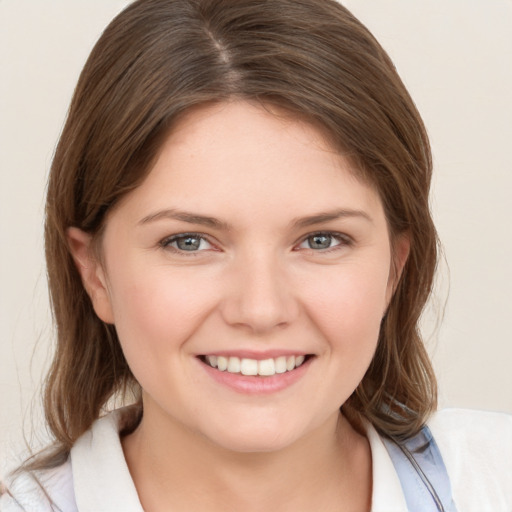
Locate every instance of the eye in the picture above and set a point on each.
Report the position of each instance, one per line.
(323, 241)
(187, 242)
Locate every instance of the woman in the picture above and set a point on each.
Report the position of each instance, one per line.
(238, 237)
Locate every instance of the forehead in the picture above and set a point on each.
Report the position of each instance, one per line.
(240, 156)
(248, 123)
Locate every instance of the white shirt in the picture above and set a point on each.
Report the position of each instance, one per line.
(476, 449)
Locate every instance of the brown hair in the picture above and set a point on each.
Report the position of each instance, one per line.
(158, 59)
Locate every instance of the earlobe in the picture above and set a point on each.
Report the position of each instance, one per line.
(91, 272)
(400, 254)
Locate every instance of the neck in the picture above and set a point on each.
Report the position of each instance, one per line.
(327, 470)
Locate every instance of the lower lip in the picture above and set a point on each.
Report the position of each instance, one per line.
(257, 385)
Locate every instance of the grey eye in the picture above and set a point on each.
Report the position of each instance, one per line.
(319, 241)
(187, 243)
(322, 241)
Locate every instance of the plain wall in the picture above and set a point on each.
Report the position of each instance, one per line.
(456, 59)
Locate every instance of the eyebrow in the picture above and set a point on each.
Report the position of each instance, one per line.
(322, 217)
(192, 218)
(212, 222)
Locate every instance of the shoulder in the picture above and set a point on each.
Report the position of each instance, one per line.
(479, 433)
(476, 447)
(42, 491)
(102, 480)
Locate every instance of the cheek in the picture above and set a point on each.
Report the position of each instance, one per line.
(156, 310)
(349, 306)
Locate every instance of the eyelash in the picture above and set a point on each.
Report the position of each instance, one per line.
(166, 243)
(342, 239)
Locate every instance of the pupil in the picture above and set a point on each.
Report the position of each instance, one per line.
(189, 243)
(320, 242)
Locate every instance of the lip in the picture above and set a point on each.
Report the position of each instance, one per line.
(257, 385)
(259, 356)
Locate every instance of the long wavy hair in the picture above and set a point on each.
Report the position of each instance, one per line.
(160, 58)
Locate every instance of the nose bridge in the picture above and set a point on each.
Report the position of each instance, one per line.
(262, 297)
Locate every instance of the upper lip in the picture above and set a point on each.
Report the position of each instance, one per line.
(258, 355)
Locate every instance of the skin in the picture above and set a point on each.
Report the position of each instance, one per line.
(255, 283)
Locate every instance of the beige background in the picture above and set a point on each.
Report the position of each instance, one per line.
(456, 58)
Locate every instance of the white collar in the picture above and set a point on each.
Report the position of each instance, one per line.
(101, 477)
(102, 480)
(387, 494)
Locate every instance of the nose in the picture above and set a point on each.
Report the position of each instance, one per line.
(260, 297)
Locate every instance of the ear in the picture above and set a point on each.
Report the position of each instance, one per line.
(91, 272)
(401, 246)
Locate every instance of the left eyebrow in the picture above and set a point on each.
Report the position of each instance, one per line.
(329, 216)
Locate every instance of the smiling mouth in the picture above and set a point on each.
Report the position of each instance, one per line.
(255, 367)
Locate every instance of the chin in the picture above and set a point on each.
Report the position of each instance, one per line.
(254, 443)
(264, 436)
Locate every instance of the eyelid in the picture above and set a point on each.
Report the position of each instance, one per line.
(344, 239)
(166, 242)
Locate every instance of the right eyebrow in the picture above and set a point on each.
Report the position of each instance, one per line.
(184, 216)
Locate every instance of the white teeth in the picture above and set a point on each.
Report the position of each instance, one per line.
(264, 367)
(222, 363)
(280, 364)
(234, 365)
(249, 367)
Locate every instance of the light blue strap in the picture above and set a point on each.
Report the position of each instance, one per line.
(422, 473)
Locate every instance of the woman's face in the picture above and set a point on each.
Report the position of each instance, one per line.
(250, 245)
